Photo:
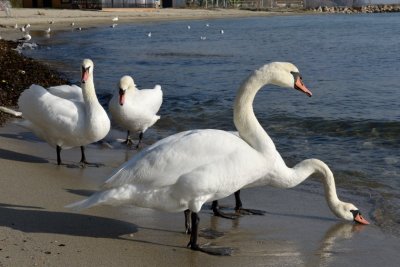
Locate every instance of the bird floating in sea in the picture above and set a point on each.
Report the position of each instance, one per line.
(114, 25)
(203, 38)
(188, 27)
(48, 30)
(222, 31)
(25, 38)
(149, 34)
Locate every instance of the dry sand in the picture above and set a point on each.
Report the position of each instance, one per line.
(36, 230)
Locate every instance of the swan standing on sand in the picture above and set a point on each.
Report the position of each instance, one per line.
(134, 109)
(64, 122)
(185, 170)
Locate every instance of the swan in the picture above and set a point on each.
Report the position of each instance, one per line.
(134, 109)
(65, 123)
(71, 92)
(183, 171)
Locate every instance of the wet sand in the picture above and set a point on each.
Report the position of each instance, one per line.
(36, 230)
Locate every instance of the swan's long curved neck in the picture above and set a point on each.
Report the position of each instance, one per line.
(305, 169)
(89, 93)
(244, 118)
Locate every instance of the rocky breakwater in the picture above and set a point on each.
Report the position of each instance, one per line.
(361, 9)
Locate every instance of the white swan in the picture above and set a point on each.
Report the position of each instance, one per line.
(70, 92)
(134, 109)
(185, 170)
(62, 122)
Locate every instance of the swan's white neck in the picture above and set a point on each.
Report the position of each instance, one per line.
(296, 175)
(89, 93)
(244, 118)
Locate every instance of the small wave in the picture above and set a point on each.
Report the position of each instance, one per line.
(186, 55)
(385, 131)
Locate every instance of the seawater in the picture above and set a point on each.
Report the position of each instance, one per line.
(350, 62)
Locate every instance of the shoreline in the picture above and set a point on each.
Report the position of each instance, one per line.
(61, 19)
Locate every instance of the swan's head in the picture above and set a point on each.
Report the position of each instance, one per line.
(87, 69)
(124, 84)
(350, 212)
(285, 74)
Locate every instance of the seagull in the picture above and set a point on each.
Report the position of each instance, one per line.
(188, 27)
(203, 37)
(27, 26)
(72, 24)
(208, 25)
(16, 26)
(48, 30)
(149, 34)
(115, 18)
(114, 25)
(222, 31)
(22, 29)
(27, 37)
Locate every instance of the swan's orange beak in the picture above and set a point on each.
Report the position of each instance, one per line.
(360, 219)
(299, 85)
(121, 97)
(85, 74)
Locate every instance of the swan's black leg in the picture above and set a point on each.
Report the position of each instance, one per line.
(240, 210)
(58, 155)
(217, 212)
(140, 140)
(195, 246)
(128, 140)
(83, 161)
(188, 221)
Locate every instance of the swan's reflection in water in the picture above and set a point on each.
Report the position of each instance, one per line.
(287, 250)
(330, 244)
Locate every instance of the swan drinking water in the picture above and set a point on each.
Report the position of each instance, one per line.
(63, 120)
(134, 109)
(185, 170)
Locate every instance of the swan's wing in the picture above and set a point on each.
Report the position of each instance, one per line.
(50, 112)
(71, 92)
(149, 100)
(165, 161)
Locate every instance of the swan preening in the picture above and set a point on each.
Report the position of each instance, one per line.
(187, 169)
(133, 109)
(65, 117)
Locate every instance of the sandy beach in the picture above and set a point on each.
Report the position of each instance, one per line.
(298, 228)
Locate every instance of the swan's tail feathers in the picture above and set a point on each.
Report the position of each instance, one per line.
(11, 111)
(114, 197)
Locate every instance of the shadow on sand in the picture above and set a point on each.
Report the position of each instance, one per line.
(30, 220)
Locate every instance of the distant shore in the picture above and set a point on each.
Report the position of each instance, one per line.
(61, 19)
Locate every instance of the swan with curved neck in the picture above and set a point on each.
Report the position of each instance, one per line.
(63, 121)
(185, 170)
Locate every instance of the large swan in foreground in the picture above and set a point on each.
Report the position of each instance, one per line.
(185, 170)
(65, 121)
(134, 109)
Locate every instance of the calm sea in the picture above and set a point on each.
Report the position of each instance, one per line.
(350, 62)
